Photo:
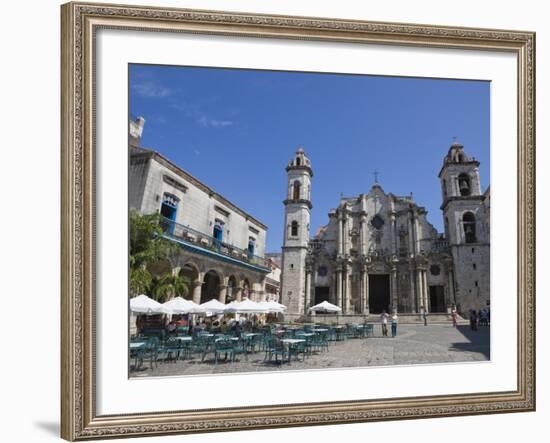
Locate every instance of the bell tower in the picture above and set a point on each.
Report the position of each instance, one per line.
(296, 236)
(465, 217)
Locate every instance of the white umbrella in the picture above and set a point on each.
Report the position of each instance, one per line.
(246, 306)
(326, 307)
(145, 305)
(213, 306)
(271, 306)
(277, 305)
(179, 305)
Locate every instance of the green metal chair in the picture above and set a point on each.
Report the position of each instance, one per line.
(239, 347)
(169, 350)
(224, 346)
(275, 347)
(200, 346)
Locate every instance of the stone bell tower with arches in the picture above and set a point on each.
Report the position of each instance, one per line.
(295, 285)
(465, 215)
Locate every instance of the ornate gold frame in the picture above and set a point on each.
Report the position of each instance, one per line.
(79, 420)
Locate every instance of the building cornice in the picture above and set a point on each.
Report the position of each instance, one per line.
(300, 167)
(144, 152)
(461, 198)
(446, 164)
(299, 201)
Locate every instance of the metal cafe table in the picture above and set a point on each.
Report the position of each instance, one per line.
(291, 344)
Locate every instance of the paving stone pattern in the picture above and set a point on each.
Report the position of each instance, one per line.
(414, 344)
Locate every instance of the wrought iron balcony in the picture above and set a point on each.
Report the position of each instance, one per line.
(177, 231)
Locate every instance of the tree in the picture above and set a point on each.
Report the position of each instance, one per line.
(148, 246)
(169, 285)
(146, 242)
(140, 281)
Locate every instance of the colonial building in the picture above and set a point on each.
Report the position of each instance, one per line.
(379, 252)
(273, 281)
(222, 246)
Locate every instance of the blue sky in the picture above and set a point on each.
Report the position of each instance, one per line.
(236, 130)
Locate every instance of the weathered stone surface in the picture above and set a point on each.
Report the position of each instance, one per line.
(414, 344)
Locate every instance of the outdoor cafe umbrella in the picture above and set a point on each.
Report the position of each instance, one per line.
(179, 305)
(145, 305)
(276, 304)
(272, 306)
(212, 306)
(325, 307)
(246, 306)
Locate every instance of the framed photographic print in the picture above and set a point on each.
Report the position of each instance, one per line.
(284, 221)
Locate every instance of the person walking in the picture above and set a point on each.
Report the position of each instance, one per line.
(394, 325)
(425, 317)
(384, 321)
(473, 320)
(454, 316)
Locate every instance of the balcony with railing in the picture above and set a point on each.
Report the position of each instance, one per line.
(441, 246)
(204, 242)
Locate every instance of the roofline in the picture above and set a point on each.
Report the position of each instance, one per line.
(196, 182)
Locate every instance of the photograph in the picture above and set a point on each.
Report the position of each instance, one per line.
(289, 220)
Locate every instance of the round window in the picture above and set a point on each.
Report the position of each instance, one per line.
(322, 271)
(435, 270)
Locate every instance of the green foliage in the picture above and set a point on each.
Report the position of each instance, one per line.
(168, 285)
(146, 242)
(140, 281)
(147, 246)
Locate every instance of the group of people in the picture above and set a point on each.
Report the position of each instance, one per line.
(479, 318)
(384, 321)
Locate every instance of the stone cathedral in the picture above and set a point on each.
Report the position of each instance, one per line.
(379, 252)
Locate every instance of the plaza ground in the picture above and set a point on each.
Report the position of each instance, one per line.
(414, 344)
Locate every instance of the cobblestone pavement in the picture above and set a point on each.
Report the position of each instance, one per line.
(414, 344)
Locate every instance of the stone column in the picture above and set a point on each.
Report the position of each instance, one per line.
(363, 235)
(308, 291)
(340, 233)
(197, 286)
(415, 232)
(347, 226)
(419, 289)
(238, 291)
(364, 291)
(425, 284)
(347, 293)
(452, 297)
(411, 234)
(412, 296)
(222, 293)
(394, 297)
(394, 234)
(339, 287)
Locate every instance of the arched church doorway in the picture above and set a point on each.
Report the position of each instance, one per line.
(379, 293)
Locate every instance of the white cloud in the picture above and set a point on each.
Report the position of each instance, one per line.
(151, 89)
(213, 123)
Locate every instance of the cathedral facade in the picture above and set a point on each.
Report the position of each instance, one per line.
(379, 252)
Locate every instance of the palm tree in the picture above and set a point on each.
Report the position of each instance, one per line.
(140, 281)
(168, 285)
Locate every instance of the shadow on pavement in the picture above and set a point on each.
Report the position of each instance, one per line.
(478, 341)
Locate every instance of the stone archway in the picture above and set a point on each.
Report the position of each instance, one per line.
(211, 286)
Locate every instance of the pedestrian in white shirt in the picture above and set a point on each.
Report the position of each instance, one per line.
(394, 325)
(384, 321)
